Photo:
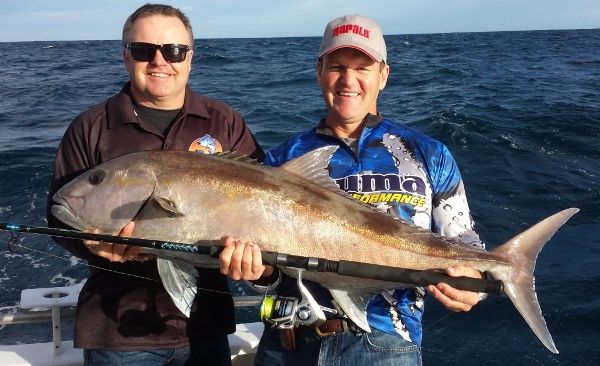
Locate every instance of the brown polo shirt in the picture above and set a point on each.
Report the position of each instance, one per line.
(120, 312)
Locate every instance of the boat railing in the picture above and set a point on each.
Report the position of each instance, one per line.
(57, 303)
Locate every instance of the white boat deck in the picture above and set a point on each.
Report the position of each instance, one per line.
(243, 342)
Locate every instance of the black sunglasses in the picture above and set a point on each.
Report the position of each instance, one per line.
(145, 52)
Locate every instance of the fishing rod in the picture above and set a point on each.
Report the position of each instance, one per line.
(342, 267)
(203, 247)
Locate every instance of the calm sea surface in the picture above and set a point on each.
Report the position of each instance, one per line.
(519, 110)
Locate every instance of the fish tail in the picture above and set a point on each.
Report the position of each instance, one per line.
(522, 251)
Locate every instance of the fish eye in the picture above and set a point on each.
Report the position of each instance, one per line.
(96, 177)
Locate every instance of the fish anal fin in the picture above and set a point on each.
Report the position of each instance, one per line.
(354, 306)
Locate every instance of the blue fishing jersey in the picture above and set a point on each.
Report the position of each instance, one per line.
(405, 174)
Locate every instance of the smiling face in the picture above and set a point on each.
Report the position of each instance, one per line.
(350, 82)
(158, 83)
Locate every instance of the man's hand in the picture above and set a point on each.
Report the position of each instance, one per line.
(241, 260)
(451, 298)
(117, 252)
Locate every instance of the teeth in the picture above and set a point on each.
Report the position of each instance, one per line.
(159, 74)
(349, 94)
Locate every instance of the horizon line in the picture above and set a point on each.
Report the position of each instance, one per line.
(399, 34)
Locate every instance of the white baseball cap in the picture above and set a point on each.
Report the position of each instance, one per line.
(354, 31)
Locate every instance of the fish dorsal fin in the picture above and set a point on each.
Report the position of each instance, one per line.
(231, 155)
(312, 166)
(179, 279)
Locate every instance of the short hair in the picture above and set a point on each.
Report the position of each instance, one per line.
(157, 9)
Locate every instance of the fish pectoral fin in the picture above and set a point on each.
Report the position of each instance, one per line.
(354, 305)
(167, 205)
(179, 279)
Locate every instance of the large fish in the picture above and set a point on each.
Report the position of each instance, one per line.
(295, 209)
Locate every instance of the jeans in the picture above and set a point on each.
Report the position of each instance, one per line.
(344, 349)
(215, 352)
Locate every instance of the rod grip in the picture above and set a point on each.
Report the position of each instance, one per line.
(416, 277)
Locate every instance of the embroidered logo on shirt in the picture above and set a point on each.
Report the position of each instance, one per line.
(206, 144)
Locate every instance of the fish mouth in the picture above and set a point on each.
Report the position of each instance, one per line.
(63, 211)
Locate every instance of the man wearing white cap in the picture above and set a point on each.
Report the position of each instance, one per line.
(409, 175)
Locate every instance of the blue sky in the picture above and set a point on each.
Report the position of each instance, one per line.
(50, 20)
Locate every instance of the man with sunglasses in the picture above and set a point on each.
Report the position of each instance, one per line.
(124, 315)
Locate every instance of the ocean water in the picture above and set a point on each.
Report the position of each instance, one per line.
(520, 111)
